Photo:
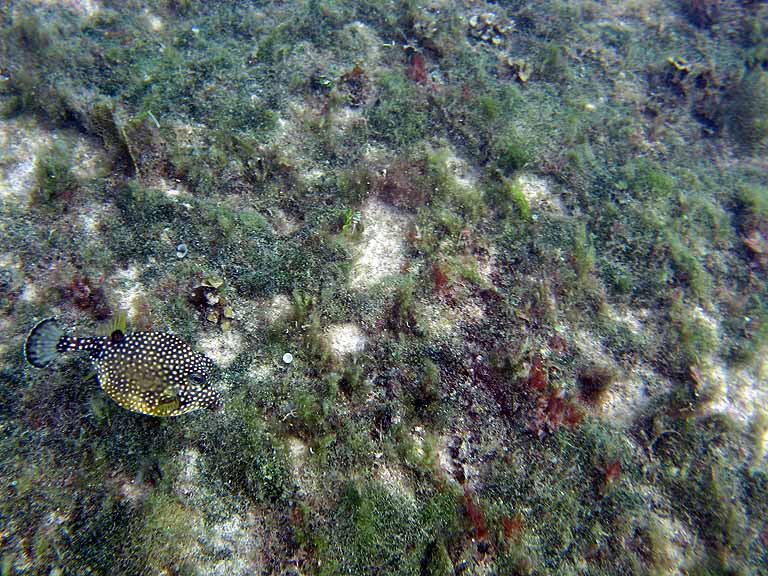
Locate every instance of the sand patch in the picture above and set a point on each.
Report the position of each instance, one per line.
(128, 292)
(381, 252)
(222, 348)
(300, 465)
(83, 8)
(220, 547)
(538, 192)
(345, 339)
(278, 308)
(394, 480)
(631, 393)
(22, 140)
(739, 393)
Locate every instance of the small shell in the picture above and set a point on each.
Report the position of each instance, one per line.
(181, 250)
(287, 357)
(213, 282)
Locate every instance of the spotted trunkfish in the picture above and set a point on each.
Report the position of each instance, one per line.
(153, 373)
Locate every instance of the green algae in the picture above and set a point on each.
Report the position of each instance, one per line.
(397, 118)
(53, 172)
(378, 531)
(599, 513)
(746, 111)
(512, 154)
(518, 200)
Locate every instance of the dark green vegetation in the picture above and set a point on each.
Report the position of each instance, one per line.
(746, 113)
(53, 171)
(584, 222)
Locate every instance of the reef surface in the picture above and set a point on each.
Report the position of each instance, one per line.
(484, 283)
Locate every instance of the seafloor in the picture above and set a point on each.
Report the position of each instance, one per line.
(517, 251)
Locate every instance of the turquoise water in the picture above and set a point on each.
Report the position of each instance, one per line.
(484, 285)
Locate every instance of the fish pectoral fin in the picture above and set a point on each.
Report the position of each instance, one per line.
(167, 406)
(169, 394)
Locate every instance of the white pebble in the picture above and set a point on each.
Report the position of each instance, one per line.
(287, 357)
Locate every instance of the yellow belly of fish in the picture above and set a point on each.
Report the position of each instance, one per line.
(140, 388)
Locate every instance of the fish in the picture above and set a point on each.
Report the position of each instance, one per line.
(154, 373)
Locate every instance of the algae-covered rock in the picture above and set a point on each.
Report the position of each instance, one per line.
(746, 110)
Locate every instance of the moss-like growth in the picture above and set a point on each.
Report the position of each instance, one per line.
(427, 393)
(398, 115)
(747, 326)
(620, 278)
(518, 199)
(378, 531)
(184, 98)
(553, 64)
(353, 383)
(437, 561)
(695, 338)
(166, 530)
(56, 181)
(702, 482)
(647, 180)
(583, 251)
(512, 153)
(746, 110)
(755, 199)
(403, 317)
(689, 270)
(546, 520)
(258, 469)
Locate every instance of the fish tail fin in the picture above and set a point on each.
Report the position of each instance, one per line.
(42, 344)
(47, 340)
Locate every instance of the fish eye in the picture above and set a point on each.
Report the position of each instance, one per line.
(197, 378)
